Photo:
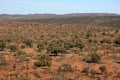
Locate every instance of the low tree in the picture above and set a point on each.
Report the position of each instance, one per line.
(55, 48)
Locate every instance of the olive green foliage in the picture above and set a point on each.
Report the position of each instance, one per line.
(105, 41)
(43, 60)
(73, 43)
(55, 47)
(117, 41)
(93, 58)
(78, 43)
(19, 53)
(2, 45)
(13, 48)
(3, 62)
(40, 46)
(102, 68)
(28, 42)
(68, 44)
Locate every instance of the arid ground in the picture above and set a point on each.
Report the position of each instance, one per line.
(74, 48)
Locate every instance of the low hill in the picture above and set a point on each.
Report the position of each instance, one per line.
(8, 17)
(97, 19)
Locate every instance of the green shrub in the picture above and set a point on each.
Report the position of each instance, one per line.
(68, 44)
(22, 46)
(78, 43)
(8, 40)
(40, 46)
(3, 62)
(55, 48)
(28, 42)
(19, 53)
(102, 68)
(13, 48)
(2, 45)
(93, 58)
(117, 41)
(73, 43)
(43, 60)
(105, 41)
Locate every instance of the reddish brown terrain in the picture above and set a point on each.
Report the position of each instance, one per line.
(48, 50)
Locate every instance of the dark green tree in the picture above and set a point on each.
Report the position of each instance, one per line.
(55, 47)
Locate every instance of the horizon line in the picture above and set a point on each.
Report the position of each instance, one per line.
(58, 13)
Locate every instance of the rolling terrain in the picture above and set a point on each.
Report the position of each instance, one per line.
(60, 47)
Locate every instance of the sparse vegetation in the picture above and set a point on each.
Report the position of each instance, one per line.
(73, 48)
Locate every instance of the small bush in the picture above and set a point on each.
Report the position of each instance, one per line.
(2, 45)
(19, 53)
(78, 43)
(40, 46)
(93, 58)
(68, 44)
(73, 43)
(22, 46)
(105, 41)
(43, 60)
(102, 68)
(3, 62)
(117, 41)
(13, 48)
(55, 48)
(28, 42)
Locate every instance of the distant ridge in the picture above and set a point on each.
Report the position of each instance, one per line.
(5, 17)
(92, 14)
